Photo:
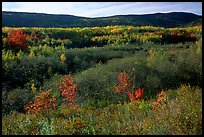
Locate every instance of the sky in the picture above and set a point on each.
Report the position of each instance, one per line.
(103, 9)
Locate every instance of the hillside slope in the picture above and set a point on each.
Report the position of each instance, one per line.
(25, 19)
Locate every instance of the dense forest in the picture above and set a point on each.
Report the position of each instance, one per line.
(21, 19)
(108, 80)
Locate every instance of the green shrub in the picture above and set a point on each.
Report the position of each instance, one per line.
(103, 77)
(15, 99)
(183, 111)
(18, 73)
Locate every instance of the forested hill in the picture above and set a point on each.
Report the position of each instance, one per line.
(25, 19)
(197, 22)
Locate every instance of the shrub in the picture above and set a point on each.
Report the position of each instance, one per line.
(180, 115)
(18, 40)
(42, 102)
(100, 85)
(19, 73)
(125, 85)
(67, 87)
(15, 100)
(183, 112)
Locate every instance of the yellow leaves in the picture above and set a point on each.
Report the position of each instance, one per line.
(199, 47)
(62, 57)
(40, 46)
(152, 54)
(8, 55)
(33, 88)
(19, 53)
(5, 41)
(32, 53)
(148, 64)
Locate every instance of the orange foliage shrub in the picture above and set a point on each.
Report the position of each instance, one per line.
(17, 40)
(161, 98)
(67, 87)
(42, 102)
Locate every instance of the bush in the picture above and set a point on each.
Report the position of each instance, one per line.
(100, 85)
(18, 40)
(19, 73)
(161, 74)
(181, 115)
(183, 111)
(15, 100)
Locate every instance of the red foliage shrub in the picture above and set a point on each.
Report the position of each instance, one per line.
(67, 87)
(125, 85)
(160, 100)
(17, 40)
(42, 102)
(138, 93)
(131, 97)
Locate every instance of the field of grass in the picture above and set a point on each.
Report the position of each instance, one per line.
(136, 86)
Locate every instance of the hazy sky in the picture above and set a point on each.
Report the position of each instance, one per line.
(101, 9)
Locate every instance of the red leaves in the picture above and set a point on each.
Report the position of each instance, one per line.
(17, 40)
(125, 85)
(79, 124)
(160, 99)
(131, 97)
(124, 82)
(136, 96)
(154, 105)
(68, 90)
(138, 93)
(43, 101)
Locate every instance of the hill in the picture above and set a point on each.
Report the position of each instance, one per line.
(197, 22)
(25, 19)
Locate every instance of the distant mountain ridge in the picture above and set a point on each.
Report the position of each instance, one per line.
(26, 19)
